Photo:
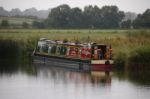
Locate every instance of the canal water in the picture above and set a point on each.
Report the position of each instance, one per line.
(45, 82)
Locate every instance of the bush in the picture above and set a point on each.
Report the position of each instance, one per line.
(140, 58)
(4, 24)
(8, 49)
(120, 61)
(25, 25)
(140, 55)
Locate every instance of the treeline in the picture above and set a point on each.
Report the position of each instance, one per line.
(27, 13)
(92, 17)
(143, 20)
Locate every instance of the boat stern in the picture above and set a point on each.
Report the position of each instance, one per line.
(102, 65)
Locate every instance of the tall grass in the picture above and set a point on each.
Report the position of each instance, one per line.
(8, 49)
(140, 58)
(123, 41)
(20, 51)
(121, 61)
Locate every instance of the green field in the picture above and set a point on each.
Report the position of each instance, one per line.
(17, 21)
(123, 42)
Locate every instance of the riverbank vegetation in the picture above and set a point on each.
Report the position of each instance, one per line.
(129, 46)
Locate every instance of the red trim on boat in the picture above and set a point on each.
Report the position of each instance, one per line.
(102, 67)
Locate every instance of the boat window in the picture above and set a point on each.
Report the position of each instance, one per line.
(53, 49)
(44, 48)
(38, 48)
(73, 51)
(63, 50)
(58, 50)
(86, 52)
(49, 49)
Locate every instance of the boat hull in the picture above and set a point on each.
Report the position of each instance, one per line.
(102, 65)
(62, 62)
(75, 64)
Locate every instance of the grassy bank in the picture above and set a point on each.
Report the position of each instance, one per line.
(124, 42)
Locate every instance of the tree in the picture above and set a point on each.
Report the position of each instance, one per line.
(142, 20)
(111, 17)
(75, 18)
(59, 17)
(92, 17)
(126, 24)
(25, 25)
(37, 24)
(4, 24)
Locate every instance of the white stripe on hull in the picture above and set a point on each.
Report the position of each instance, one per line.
(101, 61)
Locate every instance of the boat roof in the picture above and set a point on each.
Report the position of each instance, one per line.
(59, 42)
(43, 39)
(68, 44)
(101, 44)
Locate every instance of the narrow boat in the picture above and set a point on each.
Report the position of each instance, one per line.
(80, 56)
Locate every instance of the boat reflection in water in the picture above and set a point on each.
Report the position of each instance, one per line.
(70, 76)
(101, 77)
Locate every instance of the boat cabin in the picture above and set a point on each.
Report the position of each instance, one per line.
(72, 50)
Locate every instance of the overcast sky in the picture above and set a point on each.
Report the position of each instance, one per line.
(138, 6)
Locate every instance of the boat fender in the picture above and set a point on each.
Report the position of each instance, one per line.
(107, 62)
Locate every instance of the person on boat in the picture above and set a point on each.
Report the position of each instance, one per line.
(107, 54)
(100, 54)
(95, 52)
(110, 52)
